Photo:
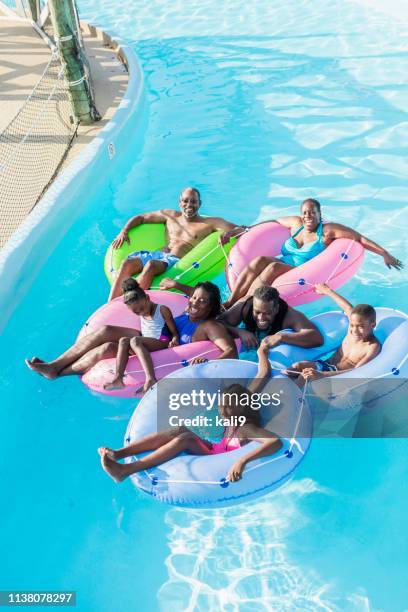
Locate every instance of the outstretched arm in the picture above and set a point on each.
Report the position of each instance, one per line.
(305, 333)
(269, 443)
(158, 216)
(291, 222)
(218, 223)
(230, 230)
(345, 305)
(233, 316)
(170, 283)
(336, 230)
(216, 332)
(248, 339)
(264, 370)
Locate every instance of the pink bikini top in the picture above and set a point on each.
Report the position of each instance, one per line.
(225, 445)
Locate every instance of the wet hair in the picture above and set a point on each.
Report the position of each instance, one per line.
(132, 291)
(316, 203)
(264, 293)
(198, 194)
(243, 405)
(366, 311)
(214, 295)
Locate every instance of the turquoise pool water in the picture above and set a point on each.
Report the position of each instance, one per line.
(259, 106)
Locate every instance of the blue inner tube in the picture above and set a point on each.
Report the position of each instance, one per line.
(379, 386)
(201, 481)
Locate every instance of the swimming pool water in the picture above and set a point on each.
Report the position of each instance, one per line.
(259, 105)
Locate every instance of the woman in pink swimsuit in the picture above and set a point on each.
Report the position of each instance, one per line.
(235, 408)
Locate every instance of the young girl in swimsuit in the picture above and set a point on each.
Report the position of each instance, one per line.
(166, 445)
(153, 319)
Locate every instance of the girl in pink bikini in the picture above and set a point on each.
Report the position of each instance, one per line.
(166, 445)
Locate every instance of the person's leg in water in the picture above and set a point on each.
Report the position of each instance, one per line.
(128, 268)
(106, 334)
(129, 346)
(165, 446)
(269, 274)
(246, 277)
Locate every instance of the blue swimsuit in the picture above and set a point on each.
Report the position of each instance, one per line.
(185, 328)
(294, 255)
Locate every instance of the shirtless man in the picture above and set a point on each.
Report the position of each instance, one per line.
(184, 230)
(358, 347)
(264, 316)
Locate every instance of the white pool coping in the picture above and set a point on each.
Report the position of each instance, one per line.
(26, 251)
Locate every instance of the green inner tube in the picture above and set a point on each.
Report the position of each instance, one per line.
(204, 262)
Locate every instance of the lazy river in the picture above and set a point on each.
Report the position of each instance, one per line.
(259, 105)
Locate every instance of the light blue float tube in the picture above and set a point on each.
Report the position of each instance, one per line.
(380, 383)
(391, 330)
(200, 481)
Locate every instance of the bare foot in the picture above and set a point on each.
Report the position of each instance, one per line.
(117, 471)
(117, 383)
(109, 451)
(150, 382)
(46, 370)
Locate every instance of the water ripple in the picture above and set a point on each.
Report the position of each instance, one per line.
(238, 559)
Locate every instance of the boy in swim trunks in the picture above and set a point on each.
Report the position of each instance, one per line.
(358, 347)
(184, 230)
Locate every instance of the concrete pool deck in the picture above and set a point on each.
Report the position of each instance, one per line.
(25, 54)
(110, 80)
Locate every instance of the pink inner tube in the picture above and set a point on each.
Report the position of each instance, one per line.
(164, 361)
(334, 266)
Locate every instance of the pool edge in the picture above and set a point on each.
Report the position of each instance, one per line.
(55, 207)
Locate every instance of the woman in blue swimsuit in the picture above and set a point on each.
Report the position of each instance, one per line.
(309, 237)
